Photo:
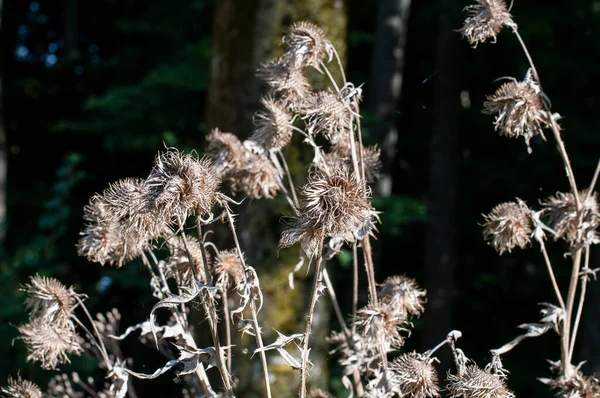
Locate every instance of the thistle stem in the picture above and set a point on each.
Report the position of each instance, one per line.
(593, 182)
(552, 277)
(354, 285)
(566, 337)
(96, 332)
(584, 281)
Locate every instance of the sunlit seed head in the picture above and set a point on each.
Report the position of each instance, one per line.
(507, 226)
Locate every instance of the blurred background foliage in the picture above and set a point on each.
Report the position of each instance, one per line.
(92, 90)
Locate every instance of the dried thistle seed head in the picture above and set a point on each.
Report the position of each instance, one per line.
(225, 149)
(334, 205)
(287, 81)
(569, 224)
(341, 154)
(19, 388)
(476, 383)
(49, 300)
(485, 20)
(403, 294)
(307, 44)
(179, 184)
(508, 225)
(578, 386)
(381, 325)
(256, 177)
(50, 344)
(415, 376)
(273, 127)
(330, 114)
(229, 269)
(520, 110)
(178, 265)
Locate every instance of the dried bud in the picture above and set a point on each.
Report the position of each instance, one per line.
(578, 386)
(179, 184)
(342, 155)
(415, 376)
(225, 149)
(381, 325)
(476, 383)
(274, 127)
(569, 224)
(508, 225)
(20, 388)
(229, 269)
(178, 265)
(307, 44)
(520, 109)
(403, 294)
(50, 344)
(334, 205)
(287, 81)
(485, 20)
(49, 300)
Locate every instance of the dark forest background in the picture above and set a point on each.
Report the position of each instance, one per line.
(91, 90)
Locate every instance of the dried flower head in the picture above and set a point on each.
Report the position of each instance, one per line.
(307, 44)
(485, 20)
(403, 294)
(225, 149)
(179, 184)
(49, 300)
(50, 344)
(318, 393)
(118, 228)
(341, 154)
(334, 205)
(273, 127)
(477, 383)
(381, 325)
(178, 265)
(288, 83)
(415, 376)
(228, 268)
(576, 227)
(578, 386)
(20, 388)
(508, 225)
(520, 109)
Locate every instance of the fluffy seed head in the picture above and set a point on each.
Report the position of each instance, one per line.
(403, 294)
(485, 19)
(178, 265)
(228, 267)
(381, 325)
(20, 388)
(415, 376)
(476, 383)
(50, 344)
(225, 149)
(519, 108)
(307, 44)
(334, 205)
(342, 155)
(49, 300)
(508, 225)
(578, 386)
(179, 184)
(273, 127)
(573, 226)
(288, 82)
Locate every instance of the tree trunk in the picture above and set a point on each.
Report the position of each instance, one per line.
(385, 83)
(440, 242)
(246, 34)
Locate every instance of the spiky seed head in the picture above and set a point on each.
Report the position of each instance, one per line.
(178, 264)
(381, 325)
(50, 300)
(256, 177)
(485, 19)
(575, 227)
(307, 44)
(415, 376)
(476, 383)
(520, 110)
(19, 388)
(229, 269)
(288, 83)
(225, 149)
(334, 205)
(403, 294)
(578, 386)
(273, 127)
(179, 184)
(341, 154)
(50, 344)
(507, 226)
(318, 393)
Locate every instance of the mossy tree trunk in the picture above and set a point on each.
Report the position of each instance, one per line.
(246, 34)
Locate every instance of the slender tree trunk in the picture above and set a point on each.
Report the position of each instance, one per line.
(440, 243)
(385, 83)
(246, 34)
(3, 142)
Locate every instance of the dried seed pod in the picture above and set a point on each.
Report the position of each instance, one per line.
(50, 344)
(576, 227)
(273, 127)
(415, 376)
(228, 268)
(485, 20)
(307, 44)
(287, 81)
(49, 300)
(520, 109)
(508, 225)
(19, 388)
(382, 325)
(477, 383)
(178, 264)
(403, 294)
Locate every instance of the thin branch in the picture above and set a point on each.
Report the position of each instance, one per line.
(354, 284)
(594, 180)
(584, 281)
(103, 351)
(552, 277)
